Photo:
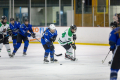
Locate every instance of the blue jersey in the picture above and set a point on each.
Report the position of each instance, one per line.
(15, 27)
(47, 36)
(114, 38)
(24, 29)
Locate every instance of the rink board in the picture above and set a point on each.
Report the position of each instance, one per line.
(85, 35)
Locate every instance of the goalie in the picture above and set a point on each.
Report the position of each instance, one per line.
(65, 40)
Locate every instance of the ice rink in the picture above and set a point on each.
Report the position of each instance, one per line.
(88, 67)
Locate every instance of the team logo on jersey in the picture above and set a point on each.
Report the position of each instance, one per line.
(46, 34)
(21, 26)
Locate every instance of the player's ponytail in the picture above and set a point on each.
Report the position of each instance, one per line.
(46, 30)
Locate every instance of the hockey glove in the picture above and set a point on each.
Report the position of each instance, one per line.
(73, 46)
(4, 30)
(33, 35)
(112, 48)
(27, 34)
(53, 39)
(74, 37)
(10, 32)
(51, 47)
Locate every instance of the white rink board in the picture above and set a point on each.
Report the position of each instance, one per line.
(84, 34)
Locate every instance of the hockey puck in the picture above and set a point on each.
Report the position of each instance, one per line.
(60, 64)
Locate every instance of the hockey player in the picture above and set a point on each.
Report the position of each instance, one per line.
(65, 40)
(4, 34)
(49, 36)
(23, 35)
(14, 26)
(113, 26)
(114, 41)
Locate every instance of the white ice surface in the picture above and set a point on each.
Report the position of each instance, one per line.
(88, 67)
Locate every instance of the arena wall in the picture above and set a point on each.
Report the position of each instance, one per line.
(85, 35)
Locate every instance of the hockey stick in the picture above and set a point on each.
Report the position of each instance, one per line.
(55, 54)
(105, 58)
(74, 50)
(4, 37)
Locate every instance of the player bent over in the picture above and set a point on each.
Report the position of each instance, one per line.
(23, 35)
(4, 35)
(65, 40)
(114, 42)
(14, 26)
(49, 36)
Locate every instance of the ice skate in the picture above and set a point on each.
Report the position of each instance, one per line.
(67, 57)
(11, 55)
(46, 61)
(24, 54)
(73, 59)
(53, 60)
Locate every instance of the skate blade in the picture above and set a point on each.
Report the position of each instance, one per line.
(54, 62)
(11, 57)
(67, 59)
(75, 60)
(23, 55)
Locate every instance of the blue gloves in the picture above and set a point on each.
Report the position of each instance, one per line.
(27, 34)
(112, 48)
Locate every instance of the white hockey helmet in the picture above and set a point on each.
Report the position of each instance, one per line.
(52, 27)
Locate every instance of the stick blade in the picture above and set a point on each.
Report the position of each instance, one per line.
(102, 61)
(58, 54)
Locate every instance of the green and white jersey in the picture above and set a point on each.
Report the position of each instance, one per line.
(66, 37)
(2, 27)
